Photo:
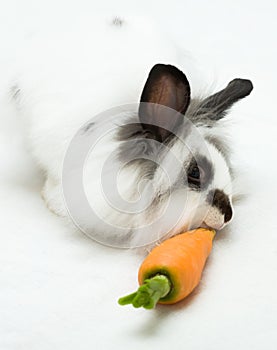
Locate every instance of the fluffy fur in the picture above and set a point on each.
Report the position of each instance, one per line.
(65, 80)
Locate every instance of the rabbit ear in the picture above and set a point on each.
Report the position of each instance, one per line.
(217, 105)
(167, 86)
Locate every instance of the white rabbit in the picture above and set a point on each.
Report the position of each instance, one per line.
(64, 81)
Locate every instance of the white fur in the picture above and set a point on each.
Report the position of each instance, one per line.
(66, 79)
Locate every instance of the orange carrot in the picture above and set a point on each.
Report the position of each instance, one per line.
(172, 270)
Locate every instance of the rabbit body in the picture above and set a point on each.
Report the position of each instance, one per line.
(63, 81)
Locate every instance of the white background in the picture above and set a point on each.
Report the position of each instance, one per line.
(59, 290)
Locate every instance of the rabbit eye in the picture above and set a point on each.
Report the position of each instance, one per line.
(199, 173)
(194, 175)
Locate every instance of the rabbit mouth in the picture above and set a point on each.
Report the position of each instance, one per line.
(204, 225)
(213, 227)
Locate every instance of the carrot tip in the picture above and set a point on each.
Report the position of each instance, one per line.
(149, 293)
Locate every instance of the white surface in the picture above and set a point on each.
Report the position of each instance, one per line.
(59, 290)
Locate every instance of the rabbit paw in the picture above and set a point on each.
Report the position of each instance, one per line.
(53, 197)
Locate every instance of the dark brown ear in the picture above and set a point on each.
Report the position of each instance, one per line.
(217, 105)
(167, 86)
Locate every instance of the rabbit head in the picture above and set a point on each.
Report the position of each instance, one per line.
(191, 131)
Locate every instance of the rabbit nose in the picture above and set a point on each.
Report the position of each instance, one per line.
(228, 214)
(221, 201)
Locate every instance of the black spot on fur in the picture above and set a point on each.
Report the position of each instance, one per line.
(221, 201)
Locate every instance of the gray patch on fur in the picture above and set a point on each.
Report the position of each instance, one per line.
(206, 166)
(220, 145)
(131, 129)
(88, 127)
(117, 21)
(138, 149)
(134, 150)
(223, 149)
(139, 145)
(15, 92)
(208, 169)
